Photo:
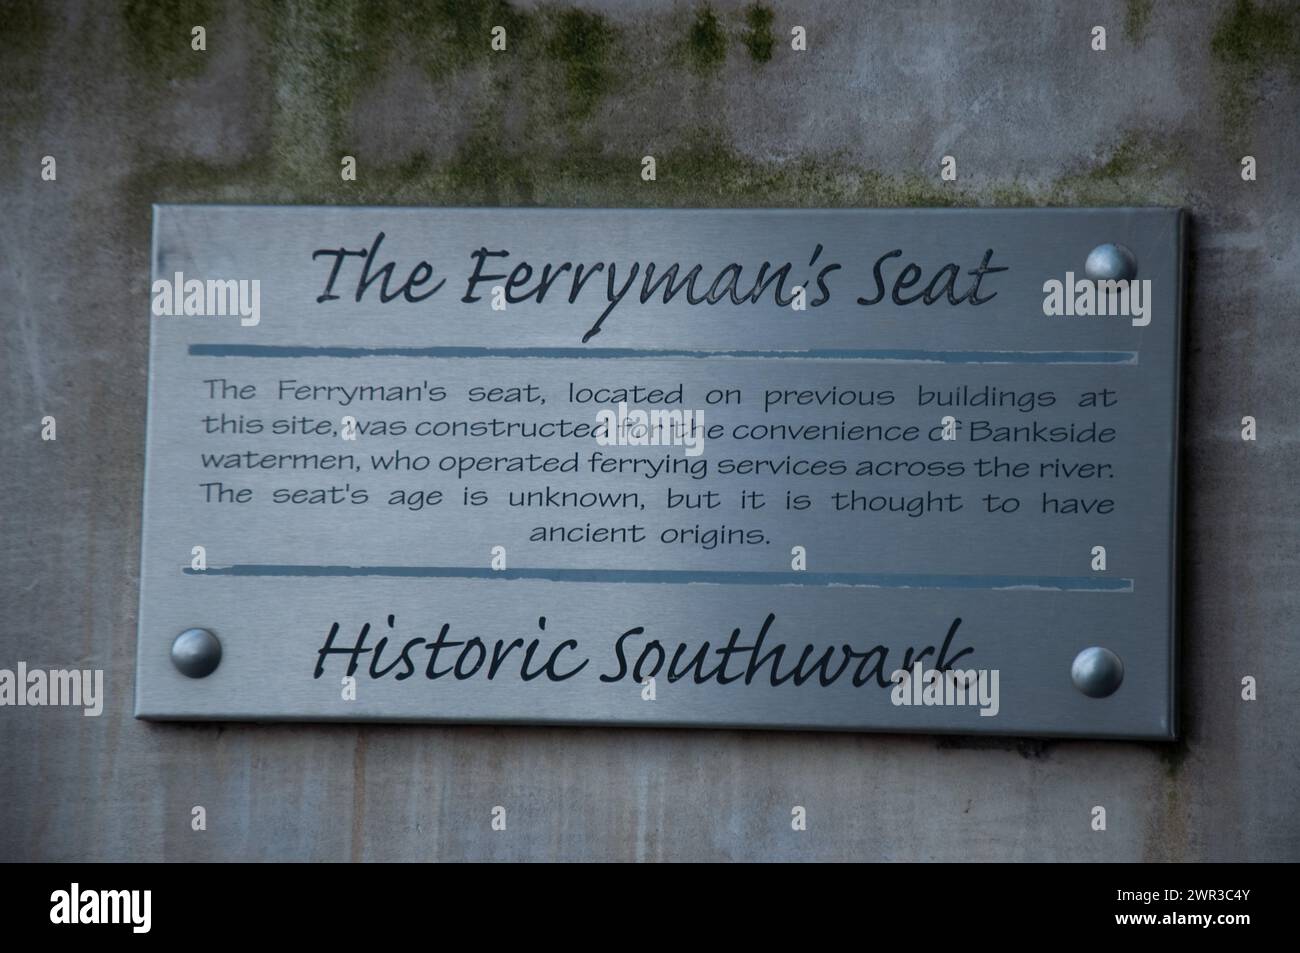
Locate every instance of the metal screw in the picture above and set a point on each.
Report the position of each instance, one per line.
(1097, 672)
(196, 653)
(1110, 262)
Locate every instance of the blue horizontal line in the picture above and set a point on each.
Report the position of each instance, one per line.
(570, 353)
(681, 576)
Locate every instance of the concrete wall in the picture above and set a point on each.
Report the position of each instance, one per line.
(1011, 89)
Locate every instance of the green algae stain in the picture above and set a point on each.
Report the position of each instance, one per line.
(1249, 40)
(1174, 755)
(1138, 170)
(703, 170)
(706, 43)
(159, 36)
(442, 36)
(26, 29)
(321, 57)
(759, 38)
(316, 71)
(1252, 38)
(454, 35)
(484, 171)
(1126, 159)
(581, 44)
(317, 64)
(1137, 18)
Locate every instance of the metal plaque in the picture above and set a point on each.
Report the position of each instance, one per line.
(910, 470)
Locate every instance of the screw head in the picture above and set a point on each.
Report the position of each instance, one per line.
(196, 653)
(1097, 672)
(1110, 262)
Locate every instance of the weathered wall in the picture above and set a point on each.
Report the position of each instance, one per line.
(1033, 116)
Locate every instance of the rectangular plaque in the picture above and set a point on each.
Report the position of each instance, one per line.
(670, 467)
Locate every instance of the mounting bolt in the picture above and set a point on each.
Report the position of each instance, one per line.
(1097, 672)
(196, 653)
(1110, 262)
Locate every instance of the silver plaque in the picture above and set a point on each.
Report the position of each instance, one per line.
(909, 470)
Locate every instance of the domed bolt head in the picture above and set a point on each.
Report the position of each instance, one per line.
(196, 653)
(1097, 672)
(1110, 262)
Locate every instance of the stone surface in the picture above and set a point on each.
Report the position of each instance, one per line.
(1033, 117)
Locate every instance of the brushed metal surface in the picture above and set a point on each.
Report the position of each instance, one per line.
(280, 575)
